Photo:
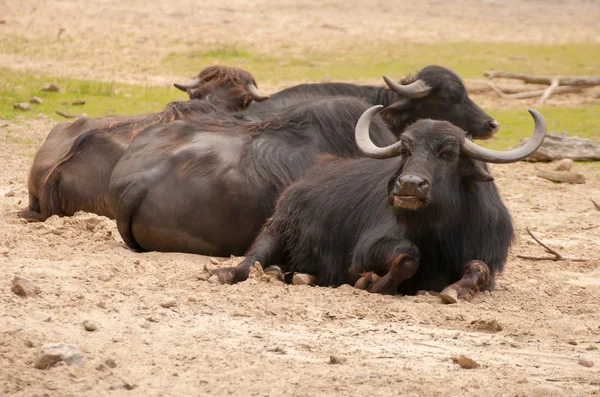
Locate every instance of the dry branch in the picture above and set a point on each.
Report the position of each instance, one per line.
(66, 115)
(556, 255)
(574, 81)
(562, 176)
(532, 94)
(549, 90)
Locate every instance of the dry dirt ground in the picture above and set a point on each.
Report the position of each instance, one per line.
(260, 338)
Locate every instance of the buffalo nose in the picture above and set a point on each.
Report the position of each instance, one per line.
(494, 125)
(412, 185)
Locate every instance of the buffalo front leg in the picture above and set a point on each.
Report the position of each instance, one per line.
(401, 268)
(475, 277)
(267, 250)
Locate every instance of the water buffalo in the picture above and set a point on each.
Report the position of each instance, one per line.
(421, 214)
(70, 171)
(435, 92)
(207, 187)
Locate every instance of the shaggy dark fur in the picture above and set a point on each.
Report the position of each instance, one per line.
(207, 187)
(340, 219)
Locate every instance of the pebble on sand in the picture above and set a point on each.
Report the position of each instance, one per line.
(36, 99)
(465, 362)
(23, 287)
(168, 302)
(50, 87)
(51, 353)
(22, 106)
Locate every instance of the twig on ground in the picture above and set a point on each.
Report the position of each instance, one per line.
(556, 255)
(576, 80)
(66, 115)
(533, 94)
(596, 204)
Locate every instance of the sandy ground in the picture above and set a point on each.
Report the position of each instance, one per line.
(260, 338)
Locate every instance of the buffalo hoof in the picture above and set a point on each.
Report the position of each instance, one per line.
(224, 275)
(367, 280)
(449, 295)
(476, 277)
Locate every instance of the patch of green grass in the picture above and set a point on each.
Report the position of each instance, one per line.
(467, 59)
(102, 98)
(583, 121)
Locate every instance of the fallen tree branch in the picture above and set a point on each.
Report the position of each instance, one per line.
(549, 90)
(576, 80)
(561, 176)
(556, 255)
(66, 115)
(532, 94)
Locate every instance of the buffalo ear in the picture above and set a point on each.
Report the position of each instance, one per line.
(474, 170)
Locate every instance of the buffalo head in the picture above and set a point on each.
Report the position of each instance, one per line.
(231, 89)
(438, 93)
(436, 159)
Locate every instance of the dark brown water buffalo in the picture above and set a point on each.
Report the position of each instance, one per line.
(70, 171)
(424, 214)
(207, 186)
(435, 92)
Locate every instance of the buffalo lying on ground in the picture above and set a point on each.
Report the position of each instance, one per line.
(207, 186)
(71, 170)
(435, 92)
(427, 218)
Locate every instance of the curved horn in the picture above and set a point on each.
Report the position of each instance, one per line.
(364, 142)
(184, 87)
(416, 89)
(258, 97)
(529, 147)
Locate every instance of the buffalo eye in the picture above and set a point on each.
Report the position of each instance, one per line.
(404, 152)
(447, 155)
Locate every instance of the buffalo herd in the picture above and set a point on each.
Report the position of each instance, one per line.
(381, 187)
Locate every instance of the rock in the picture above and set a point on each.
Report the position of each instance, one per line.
(168, 302)
(303, 279)
(50, 87)
(36, 99)
(572, 342)
(585, 362)
(24, 288)
(563, 165)
(104, 276)
(562, 146)
(334, 359)
(22, 106)
(90, 326)
(41, 116)
(193, 298)
(465, 362)
(110, 363)
(562, 176)
(52, 353)
(10, 193)
(78, 102)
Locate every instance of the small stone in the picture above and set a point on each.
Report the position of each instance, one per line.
(465, 362)
(572, 342)
(50, 87)
(104, 276)
(168, 302)
(145, 324)
(10, 193)
(24, 288)
(36, 99)
(79, 102)
(563, 165)
(22, 106)
(52, 353)
(41, 116)
(110, 363)
(193, 298)
(90, 326)
(28, 343)
(585, 362)
(334, 359)
(303, 279)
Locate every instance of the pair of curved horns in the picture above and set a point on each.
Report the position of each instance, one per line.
(469, 148)
(256, 94)
(416, 89)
